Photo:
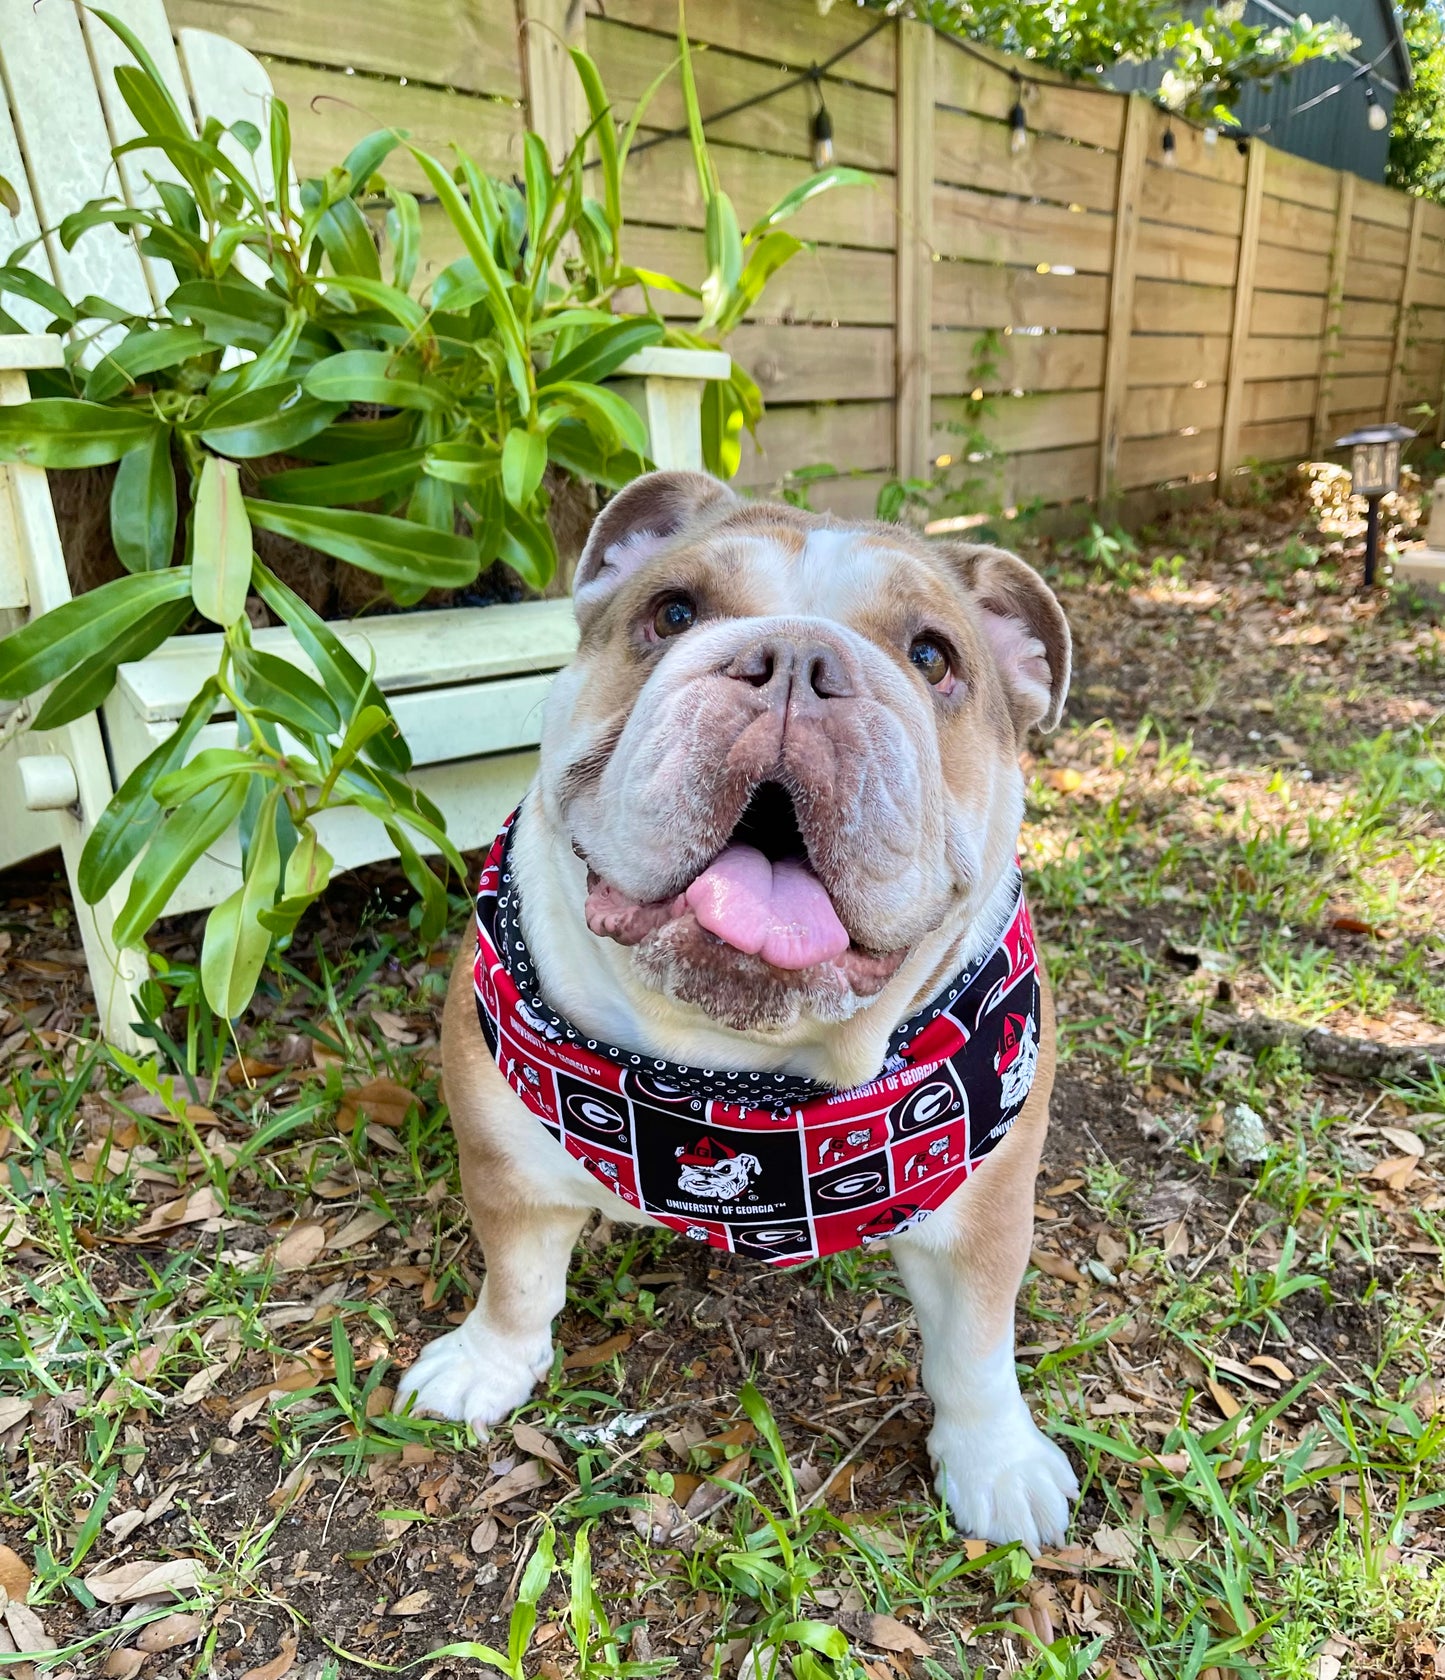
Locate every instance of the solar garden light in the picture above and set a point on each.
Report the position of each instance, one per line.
(1374, 472)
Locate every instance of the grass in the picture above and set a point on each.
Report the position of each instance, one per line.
(215, 1269)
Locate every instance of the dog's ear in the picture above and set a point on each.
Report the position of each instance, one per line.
(635, 524)
(1024, 626)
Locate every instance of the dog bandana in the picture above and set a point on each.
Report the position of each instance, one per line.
(767, 1164)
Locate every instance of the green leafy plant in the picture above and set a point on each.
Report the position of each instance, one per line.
(426, 425)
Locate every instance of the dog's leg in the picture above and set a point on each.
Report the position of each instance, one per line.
(1001, 1475)
(482, 1371)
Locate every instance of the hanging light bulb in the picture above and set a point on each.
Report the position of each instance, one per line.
(1376, 116)
(1211, 134)
(822, 138)
(1018, 122)
(1171, 149)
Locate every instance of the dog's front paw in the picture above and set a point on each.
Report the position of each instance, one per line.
(1005, 1480)
(474, 1376)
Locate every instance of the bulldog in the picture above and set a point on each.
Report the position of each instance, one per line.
(753, 960)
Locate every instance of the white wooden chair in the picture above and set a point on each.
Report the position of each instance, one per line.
(466, 685)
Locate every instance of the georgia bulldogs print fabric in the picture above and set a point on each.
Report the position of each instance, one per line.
(767, 1164)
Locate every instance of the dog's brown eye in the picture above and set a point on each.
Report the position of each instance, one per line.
(675, 615)
(930, 659)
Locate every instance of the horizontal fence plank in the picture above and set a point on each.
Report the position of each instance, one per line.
(1020, 362)
(1159, 460)
(468, 44)
(1153, 411)
(1282, 268)
(1280, 358)
(1187, 201)
(1279, 399)
(631, 59)
(843, 435)
(1301, 227)
(779, 32)
(810, 364)
(971, 151)
(1275, 440)
(1373, 281)
(1193, 155)
(1284, 315)
(1078, 113)
(330, 112)
(1359, 319)
(1369, 242)
(1376, 203)
(848, 496)
(1365, 355)
(976, 295)
(989, 227)
(1049, 420)
(1173, 253)
(660, 188)
(1161, 306)
(1360, 390)
(1297, 178)
(1163, 360)
(1049, 476)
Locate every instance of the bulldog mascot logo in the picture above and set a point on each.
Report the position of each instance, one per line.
(713, 1171)
(1015, 1059)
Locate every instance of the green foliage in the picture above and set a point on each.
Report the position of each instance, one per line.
(1207, 56)
(1417, 128)
(293, 320)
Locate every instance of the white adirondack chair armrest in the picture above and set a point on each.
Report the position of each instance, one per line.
(20, 352)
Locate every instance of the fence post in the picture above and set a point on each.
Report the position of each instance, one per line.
(1402, 320)
(556, 105)
(1243, 303)
(913, 309)
(1121, 292)
(1334, 305)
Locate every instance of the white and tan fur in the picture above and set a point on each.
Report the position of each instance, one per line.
(910, 801)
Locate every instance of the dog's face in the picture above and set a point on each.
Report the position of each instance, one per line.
(787, 750)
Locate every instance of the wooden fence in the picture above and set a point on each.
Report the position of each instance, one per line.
(1106, 322)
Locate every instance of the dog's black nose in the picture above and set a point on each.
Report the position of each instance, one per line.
(808, 667)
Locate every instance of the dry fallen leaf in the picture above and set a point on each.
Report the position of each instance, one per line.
(357, 1229)
(412, 1605)
(599, 1353)
(26, 1629)
(285, 1659)
(534, 1443)
(382, 1101)
(1407, 1142)
(886, 1632)
(1223, 1398)
(189, 1209)
(528, 1475)
(484, 1536)
(301, 1245)
(123, 1664)
(132, 1581)
(15, 1574)
(1396, 1171)
(1054, 1265)
(1065, 779)
(1114, 1545)
(12, 1410)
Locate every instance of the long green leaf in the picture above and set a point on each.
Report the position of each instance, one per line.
(308, 869)
(600, 108)
(428, 884)
(347, 481)
(207, 768)
(231, 311)
(839, 175)
(220, 544)
(143, 505)
(723, 246)
(602, 353)
(392, 548)
(612, 419)
(279, 691)
(528, 548)
(524, 460)
(463, 463)
(341, 673)
(83, 689)
(479, 249)
(64, 432)
(374, 376)
(403, 309)
(268, 421)
(133, 815)
(403, 233)
(185, 835)
(234, 949)
(143, 351)
(345, 236)
(57, 641)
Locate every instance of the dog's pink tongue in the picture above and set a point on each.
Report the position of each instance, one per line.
(778, 911)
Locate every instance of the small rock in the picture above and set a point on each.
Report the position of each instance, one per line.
(1245, 1138)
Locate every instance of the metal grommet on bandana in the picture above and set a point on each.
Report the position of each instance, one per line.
(772, 1165)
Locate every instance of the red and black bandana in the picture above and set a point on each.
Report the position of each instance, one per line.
(767, 1164)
